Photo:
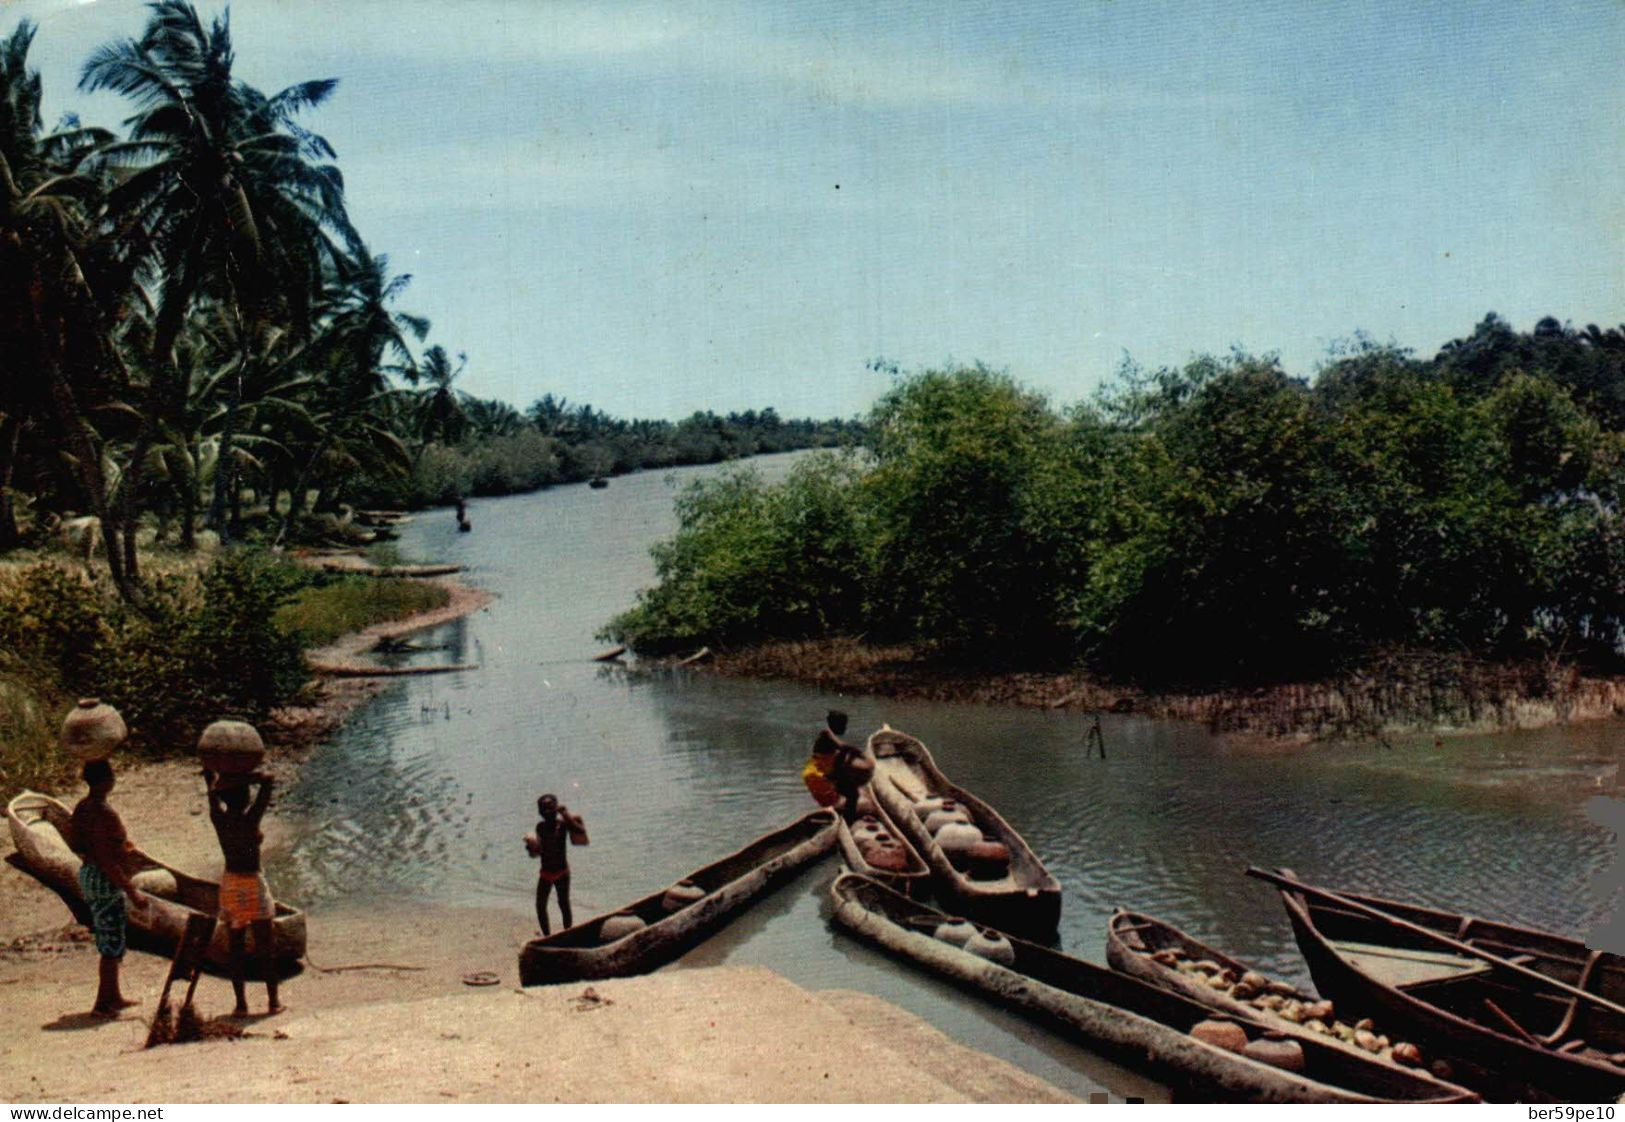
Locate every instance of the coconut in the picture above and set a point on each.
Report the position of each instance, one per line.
(1208, 966)
(1243, 992)
(1408, 1054)
(1366, 1040)
(1256, 980)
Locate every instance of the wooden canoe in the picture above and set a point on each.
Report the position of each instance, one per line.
(1140, 945)
(1501, 1029)
(1136, 1024)
(730, 885)
(1027, 899)
(911, 881)
(39, 824)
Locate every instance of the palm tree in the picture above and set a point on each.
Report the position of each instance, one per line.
(54, 322)
(441, 409)
(223, 193)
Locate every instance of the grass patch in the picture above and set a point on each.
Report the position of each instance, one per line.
(321, 614)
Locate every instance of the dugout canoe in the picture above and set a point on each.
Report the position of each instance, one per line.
(1501, 1027)
(729, 885)
(39, 828)
(912, 879)
(1149, 949)
(1123, 1018)
(1027, 899)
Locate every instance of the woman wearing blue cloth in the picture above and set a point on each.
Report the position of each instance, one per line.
(100, 840)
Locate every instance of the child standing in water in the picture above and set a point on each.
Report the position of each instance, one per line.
(549, 843)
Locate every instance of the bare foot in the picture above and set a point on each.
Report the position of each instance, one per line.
(240, 1011)
(111, 1011)
(275, 1008)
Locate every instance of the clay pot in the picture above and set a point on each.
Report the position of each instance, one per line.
(1276, 1050)
(956, 840)
(92, 730)
(231, 747)
(991, 946)
(988, 859)
(887, 859)
(681, 895)
(619, 926)
(955, 931)
(1221, 1034)
(949, 811)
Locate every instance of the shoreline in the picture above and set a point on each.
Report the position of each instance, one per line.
(389, 1015)
(1422, 695)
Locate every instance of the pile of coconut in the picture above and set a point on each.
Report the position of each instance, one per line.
(1279, 999)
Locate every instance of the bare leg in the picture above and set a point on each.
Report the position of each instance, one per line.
(264, 945)
(564, 901)
(109, 1001)
(544, 888)
(238, 937)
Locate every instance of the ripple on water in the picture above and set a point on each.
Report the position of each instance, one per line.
(672, 772)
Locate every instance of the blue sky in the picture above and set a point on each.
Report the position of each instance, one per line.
(658, 208)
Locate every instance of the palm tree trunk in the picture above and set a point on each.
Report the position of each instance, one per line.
(11, 431)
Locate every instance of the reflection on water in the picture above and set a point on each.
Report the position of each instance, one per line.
(426, 793)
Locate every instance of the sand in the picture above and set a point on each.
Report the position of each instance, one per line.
(382, 1012)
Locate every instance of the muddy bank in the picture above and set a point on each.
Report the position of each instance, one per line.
(1392, 696)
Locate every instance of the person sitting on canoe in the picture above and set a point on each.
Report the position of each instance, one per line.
(245, 898)
(549, 843)
(98, 837)
(837, 771)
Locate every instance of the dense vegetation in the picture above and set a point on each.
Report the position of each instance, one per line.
(191, 329)
(1223, 522)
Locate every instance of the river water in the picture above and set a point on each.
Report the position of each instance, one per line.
(425, 793)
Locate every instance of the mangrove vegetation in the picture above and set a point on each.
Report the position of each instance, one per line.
(1221, 523)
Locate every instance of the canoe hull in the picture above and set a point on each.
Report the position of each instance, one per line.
(1512, 1068)
(733, 884)
(1120, 1017)
(157, 928)
(1028, 901)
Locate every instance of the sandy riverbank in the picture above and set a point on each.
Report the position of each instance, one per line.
(382, 1012)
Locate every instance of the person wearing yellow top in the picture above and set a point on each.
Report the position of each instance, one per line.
(832, 772)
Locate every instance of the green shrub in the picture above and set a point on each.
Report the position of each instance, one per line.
(320, 614)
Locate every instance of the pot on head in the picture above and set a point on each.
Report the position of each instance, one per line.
(231, 747)
(92, 730)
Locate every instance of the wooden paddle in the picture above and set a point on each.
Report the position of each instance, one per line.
(1428, 933)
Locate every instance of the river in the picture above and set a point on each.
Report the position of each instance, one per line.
(425, 793)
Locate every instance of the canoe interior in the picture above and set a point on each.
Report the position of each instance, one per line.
(1027, 898)
(909, 880)
(651, 908)
(1466, 987)
(1143, 935)
(1323, 1063)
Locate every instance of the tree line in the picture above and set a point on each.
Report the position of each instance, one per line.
(193, 332)
(1219, 522)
